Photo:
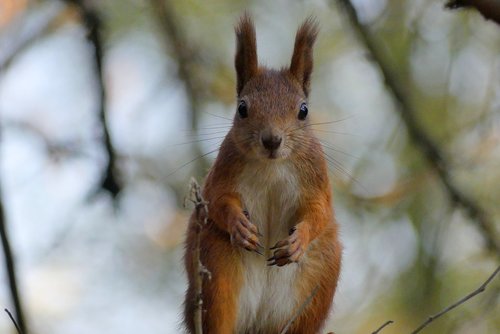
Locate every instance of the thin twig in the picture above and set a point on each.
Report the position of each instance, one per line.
(92, 22)
(201, 213)
(458, 303)
(430, 150)
(387, 323)
(10, 268)
(14, 321)
(300, 310)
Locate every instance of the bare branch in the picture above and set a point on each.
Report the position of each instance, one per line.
(10, 267)
(201, 212)
(13, 321)
(300, 310)
(458, 303)
(92, 22)
(387, 323)
(430, 150)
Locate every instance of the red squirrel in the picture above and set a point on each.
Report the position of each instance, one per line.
(271, 237)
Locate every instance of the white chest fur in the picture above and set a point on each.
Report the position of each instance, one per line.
(270, 193)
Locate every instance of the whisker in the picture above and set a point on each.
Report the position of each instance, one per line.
(333, 163)
(228, 126)
(324, 144)
(322, 123)
(207, 133)
(195, 131)
(191, 161)
(196, 141)
(330, 165)
(205, 154)
(336, 132)
(331, 122)
(247, 139)
(218, 116)
(342, 169)
(336, 149)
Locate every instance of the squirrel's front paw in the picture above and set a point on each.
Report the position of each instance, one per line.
(290, 249)
(244, 234)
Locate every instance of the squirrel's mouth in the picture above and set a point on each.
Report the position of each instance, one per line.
(263, 154)
(277, 154)
(273, 154)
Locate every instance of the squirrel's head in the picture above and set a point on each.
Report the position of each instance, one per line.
(271, 120)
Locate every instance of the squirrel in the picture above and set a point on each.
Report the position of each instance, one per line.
(269, 197)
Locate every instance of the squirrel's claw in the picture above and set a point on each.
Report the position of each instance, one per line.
(258, 249)
(288, 250)
(254, 250)
(280, 244)
(258, 252)
(244, 234)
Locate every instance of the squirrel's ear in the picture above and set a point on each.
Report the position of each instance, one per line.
(246, 52)
(302, 59)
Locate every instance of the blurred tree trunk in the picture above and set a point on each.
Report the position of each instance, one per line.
(93, 24)
(186, 56)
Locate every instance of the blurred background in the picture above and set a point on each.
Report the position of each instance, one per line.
(97, 149)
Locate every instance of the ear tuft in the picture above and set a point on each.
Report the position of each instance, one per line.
(246, 52)
(302, 59)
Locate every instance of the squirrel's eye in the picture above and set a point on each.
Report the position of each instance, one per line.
(303, 112)
(242, 109)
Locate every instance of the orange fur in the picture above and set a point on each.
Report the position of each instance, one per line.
(287, 194)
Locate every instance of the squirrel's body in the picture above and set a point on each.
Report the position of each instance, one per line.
(277, 184)
(268, 187)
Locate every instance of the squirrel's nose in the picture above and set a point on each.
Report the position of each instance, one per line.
(271, 142)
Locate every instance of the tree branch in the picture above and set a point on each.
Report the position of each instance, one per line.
(201, 212)
(458, 303)
(19, 331)
(387, 323)
(10, 267)
(92, 23)
(448, 308)
(434, 156)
